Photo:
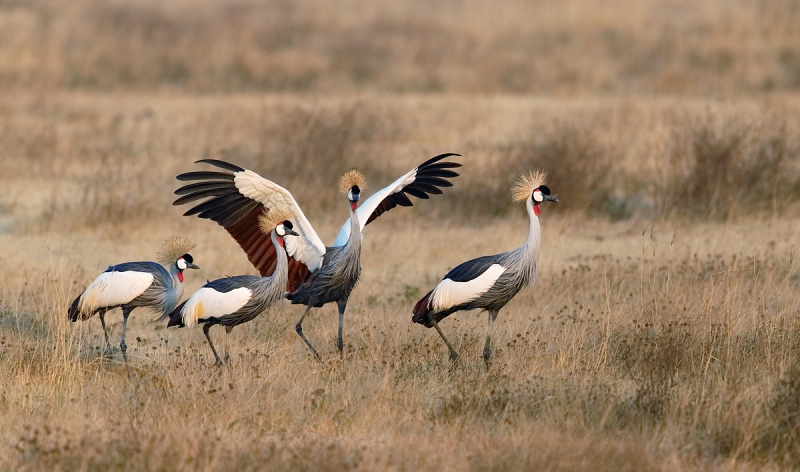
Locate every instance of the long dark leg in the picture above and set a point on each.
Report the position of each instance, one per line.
(339, 344)
(122, 346)
(105, 333)
(227, 353)
(453, 353)
(487, 348)
(206, 327)
(299, 328)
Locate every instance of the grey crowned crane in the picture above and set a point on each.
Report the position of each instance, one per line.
(317, 274)
(136, 284)
(232, 301)
(489, 282)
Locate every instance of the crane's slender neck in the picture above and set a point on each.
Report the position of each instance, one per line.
(176, 273)
(535, 230)
(281, 274)
(354, 240)
(526, 258)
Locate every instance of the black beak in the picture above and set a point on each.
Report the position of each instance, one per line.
(192, 266)
(291, 232)
(548, 198)
(356, 197)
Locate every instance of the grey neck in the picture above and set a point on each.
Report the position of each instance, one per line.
(280, 276)
(354, 240)
(174, 271)
(526, 257)
(177, 285)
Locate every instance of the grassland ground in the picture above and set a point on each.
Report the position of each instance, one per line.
(662, 333)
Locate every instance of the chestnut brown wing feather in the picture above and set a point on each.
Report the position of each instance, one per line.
(260, 250)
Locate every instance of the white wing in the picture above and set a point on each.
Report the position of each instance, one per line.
(308, 248)
(450, 293)
(418, 182)
(208, 303)
(114, 288)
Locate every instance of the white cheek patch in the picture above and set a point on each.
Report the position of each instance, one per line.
(350, 195)
(537, 195)
(181, 264)
(280, 230)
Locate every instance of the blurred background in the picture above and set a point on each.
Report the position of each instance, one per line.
(628, 104)
(710, 48)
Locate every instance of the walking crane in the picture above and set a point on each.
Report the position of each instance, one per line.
(317, 274)
(137, 284)
(231, 301)
(489, 282)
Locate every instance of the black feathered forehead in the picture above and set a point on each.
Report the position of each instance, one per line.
(188, 258)
(288, 224)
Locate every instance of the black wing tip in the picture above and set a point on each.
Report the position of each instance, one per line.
(435, 159)
(221, 164)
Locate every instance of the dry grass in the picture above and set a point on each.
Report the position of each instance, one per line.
(466, 46)
(667, 349)
(662, 334)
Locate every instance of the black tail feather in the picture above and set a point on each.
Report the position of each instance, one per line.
(72, 312)
(421, 310)
(175, 317)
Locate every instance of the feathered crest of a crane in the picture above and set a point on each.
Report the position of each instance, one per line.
(526, 184)
(272, 218)
(172, 248)
(350, 179)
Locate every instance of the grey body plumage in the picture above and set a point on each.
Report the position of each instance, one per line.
(487, 282)
(333, 281)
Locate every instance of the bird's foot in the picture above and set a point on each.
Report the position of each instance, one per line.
(109, 352)
(453, 356)
(227, 359)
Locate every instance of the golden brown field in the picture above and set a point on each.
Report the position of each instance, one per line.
(663, 332)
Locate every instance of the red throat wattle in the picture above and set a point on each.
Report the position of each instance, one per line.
(353, 205)
(280, 241)
(536, 210)
(180, 276)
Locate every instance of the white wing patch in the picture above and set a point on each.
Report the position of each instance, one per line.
(369, 205)
(209, 303)
(450, 293)
(114, 288)
(308, 248)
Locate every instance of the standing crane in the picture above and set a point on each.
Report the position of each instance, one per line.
(489, 282)
(232, 301)
(136, 284)
(317, 274)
